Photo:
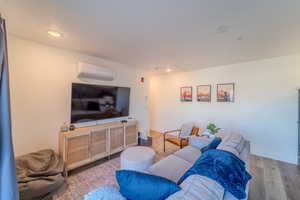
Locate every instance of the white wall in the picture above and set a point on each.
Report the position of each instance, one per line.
(265, 110)
(40, 82)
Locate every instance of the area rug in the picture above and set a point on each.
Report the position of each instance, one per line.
(81, 183)
(103, 173)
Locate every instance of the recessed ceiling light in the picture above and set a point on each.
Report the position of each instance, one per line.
(54, 33)
(168, 70)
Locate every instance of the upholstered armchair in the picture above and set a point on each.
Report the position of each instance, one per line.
(180, 136)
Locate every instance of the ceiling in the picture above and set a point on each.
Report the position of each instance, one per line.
(181, 34)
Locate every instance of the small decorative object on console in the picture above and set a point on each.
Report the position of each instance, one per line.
(64, 127)
(72, 127)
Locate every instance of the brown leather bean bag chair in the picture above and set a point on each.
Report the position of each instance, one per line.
(39, 174)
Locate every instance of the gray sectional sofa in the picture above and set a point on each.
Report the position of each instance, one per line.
(176, 164)
(195, 187)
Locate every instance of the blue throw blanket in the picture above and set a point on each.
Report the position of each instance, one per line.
(225, 168)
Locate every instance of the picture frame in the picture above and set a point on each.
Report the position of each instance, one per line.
(225, 92)
(186, 94)
(204, 93)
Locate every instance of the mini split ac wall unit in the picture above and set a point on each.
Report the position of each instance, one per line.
(93, 72)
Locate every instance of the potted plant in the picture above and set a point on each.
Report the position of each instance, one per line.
(212, 128)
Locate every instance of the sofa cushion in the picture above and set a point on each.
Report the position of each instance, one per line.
(234, 140)
(171, 167)
(197, 187)
(136, 186)
(199, 142)
(229, 196)
(189, 154)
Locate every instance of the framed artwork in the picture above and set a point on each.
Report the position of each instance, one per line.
(186, 93)
(225, 92)
(204, 93)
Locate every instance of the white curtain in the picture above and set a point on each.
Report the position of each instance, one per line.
(8, 182)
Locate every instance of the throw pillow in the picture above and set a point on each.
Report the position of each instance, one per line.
(213, 145)
(136, 186)
(228, 148)
(234, 140)
(186, 129)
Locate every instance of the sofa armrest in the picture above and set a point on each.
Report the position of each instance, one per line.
(199, 142)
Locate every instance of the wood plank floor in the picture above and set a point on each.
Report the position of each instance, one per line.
(272, 180)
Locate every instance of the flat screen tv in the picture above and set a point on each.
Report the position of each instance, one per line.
(98, 102)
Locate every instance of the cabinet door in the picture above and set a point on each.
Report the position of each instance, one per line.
(131, 134)
(77, 149)
(99, 143)
(117, 139)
